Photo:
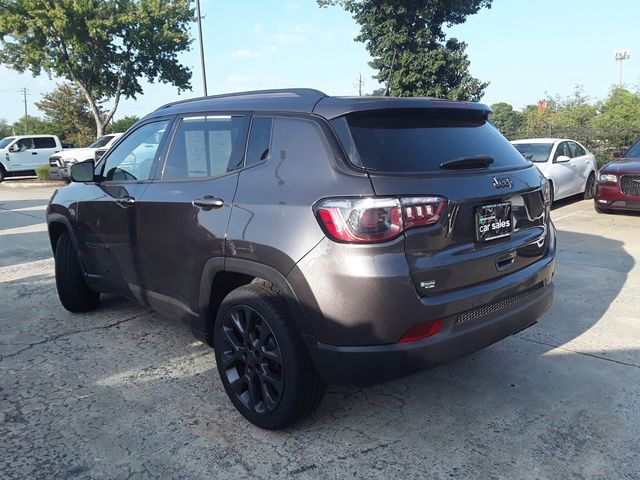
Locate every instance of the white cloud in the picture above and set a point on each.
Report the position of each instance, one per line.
(286, 38)
(243, 53)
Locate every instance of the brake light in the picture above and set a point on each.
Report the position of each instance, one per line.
(422, 330)
(371, 220)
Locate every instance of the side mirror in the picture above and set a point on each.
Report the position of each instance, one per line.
(562, 159)
(618, 154)
(82, 172)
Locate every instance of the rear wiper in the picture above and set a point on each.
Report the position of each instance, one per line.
(478, 161)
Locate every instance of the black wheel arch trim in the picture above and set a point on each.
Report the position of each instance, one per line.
(254, 269)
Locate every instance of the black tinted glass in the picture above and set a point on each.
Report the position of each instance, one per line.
(44, 142)
(418, 141)
(634, 151)
(259, 140)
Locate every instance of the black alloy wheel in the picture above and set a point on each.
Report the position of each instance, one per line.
(251, 359)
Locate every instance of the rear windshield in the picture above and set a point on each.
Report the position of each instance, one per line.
(535, 152)
(418, 141)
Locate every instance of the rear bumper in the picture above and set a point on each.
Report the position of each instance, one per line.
(366, 365)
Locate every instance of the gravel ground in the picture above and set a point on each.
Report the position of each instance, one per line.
(124, 392)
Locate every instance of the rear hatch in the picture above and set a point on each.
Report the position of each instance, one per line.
(495, 221)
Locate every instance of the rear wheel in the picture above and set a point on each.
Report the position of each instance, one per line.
(590, 186)
(73, 291)
(262, 360)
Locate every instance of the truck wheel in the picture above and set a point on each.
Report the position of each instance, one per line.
(3, 173)
(262, 360)
(73, 291)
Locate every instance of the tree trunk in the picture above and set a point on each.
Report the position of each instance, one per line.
(101, 123)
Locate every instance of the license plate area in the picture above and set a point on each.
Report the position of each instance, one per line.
(493, 221)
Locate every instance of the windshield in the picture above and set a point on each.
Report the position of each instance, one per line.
(101, 142)
(6, 141)
(634, 151)
(420, 140)
(535, 152)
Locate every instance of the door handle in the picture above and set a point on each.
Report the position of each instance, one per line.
(126, 201)
(34, 153)
(208, 202)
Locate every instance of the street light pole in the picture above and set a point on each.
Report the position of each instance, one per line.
(204, 72)
(621, 55)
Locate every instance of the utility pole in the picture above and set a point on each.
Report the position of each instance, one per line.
(621, 55)
(204, 72)
(359, 84)
(26, 123)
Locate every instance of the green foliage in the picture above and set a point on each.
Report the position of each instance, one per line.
(505, 118)
(36, 125)
(409, 47)
(104, 46)
(68, 113)
(123, 124)
(5, 129)
(43, 172)
(620, 110)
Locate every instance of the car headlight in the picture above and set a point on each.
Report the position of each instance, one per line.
(608, 178)
(546, 192)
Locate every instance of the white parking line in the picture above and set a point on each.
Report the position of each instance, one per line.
(566, 216)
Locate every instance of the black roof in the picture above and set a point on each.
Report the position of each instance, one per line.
(305, 100)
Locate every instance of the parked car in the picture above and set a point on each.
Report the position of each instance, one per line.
(22, 154)
(569, 166)
(313, 240)
(618, 185)
(60, 162)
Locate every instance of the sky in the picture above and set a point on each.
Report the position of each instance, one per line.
(525, 49)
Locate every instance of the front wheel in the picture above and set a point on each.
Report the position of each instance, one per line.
(262, 360)
(590, 186)
(3, 173)
(74, 293)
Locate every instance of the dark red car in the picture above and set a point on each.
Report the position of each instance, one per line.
(618, 183)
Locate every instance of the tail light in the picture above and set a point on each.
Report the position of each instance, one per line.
(422, 330)
(371, 220)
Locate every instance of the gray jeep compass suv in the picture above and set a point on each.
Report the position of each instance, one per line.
(312, 240)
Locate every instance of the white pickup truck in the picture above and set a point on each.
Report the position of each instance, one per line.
(61, 162)
(22, 154)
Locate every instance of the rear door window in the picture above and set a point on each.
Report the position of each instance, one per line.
(419, 140)
(44, 142)
(206, 146)
(259, 146)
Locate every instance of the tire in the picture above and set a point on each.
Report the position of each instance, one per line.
(590, 186)
(551, 194)
(3, 173)
(262, 360)
(73, 291)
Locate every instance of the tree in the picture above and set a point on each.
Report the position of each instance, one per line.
(123, 124)
(621, 110)
(36, 126)
(409, 47)
(68, 112)
(505, 118)
(103, 46)
(5, 129)
(575, 111)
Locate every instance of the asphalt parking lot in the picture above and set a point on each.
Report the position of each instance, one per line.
(126, 393)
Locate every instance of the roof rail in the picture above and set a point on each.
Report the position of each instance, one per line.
(308, 93)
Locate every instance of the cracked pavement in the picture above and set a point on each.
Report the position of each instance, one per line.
(124, 392)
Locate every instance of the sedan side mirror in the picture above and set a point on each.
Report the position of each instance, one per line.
(82, 172)
(618, 154)
(562, 159)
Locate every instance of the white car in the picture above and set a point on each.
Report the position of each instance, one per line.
(61, 162)
(22, 154)
(569, 167)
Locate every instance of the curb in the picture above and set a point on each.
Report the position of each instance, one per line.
(32, 183)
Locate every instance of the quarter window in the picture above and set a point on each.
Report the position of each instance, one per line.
(133, 158)
(259, 140)
(206, 146)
